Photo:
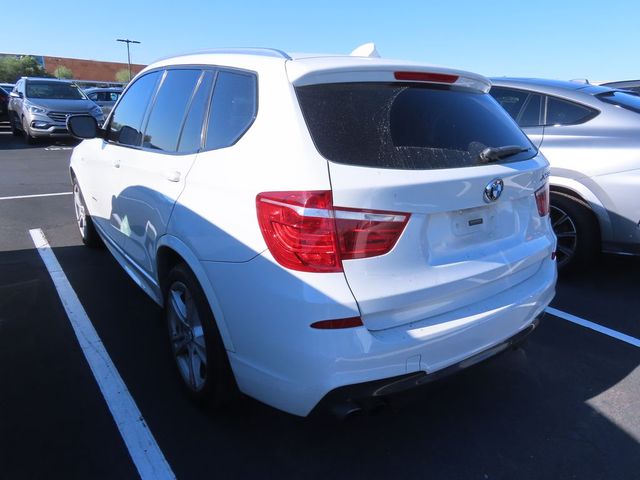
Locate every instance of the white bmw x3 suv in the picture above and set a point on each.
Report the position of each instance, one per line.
(319, 227)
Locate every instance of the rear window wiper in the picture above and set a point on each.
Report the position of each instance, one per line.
(493, 154)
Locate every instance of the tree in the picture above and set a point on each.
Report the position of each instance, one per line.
(13, 67)
(63, 72)
(122, 75)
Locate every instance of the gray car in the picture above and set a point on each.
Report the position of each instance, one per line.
(39, 107)
(105, 97)
(591, 137)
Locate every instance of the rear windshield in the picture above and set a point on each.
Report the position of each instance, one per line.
(54, 90)
(630, 101)
(407, 126)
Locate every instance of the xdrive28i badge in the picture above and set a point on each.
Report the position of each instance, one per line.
(493, 190)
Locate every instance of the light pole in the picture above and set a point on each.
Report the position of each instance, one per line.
(127, 41)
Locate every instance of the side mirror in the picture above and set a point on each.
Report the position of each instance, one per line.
(83, 126)
(15, 94)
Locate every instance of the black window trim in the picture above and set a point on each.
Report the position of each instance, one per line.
(215, 69)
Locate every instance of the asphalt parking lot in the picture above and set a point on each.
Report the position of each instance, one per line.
(565, 405)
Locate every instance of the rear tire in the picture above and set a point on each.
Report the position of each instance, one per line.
(84, 221)
(576, 228)
(196, 345)
(14, 130)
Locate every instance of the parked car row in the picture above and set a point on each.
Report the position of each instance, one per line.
(105, 97)
(39, 107)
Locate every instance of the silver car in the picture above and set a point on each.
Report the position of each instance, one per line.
(591, 137)
(105, 97)
(39, 107)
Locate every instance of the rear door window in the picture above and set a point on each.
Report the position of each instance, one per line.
(509, 99)
(530, 114)
(407, 126)
(524, 107)
(169, 109)
(233, 108)
(126, 122)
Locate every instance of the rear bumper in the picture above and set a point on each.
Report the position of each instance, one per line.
(390, 386)
(281, 361)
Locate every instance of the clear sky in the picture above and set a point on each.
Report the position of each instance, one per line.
(564, 39)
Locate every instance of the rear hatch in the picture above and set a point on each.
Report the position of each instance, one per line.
(416, 147)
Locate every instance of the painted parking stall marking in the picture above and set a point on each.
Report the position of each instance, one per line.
(143, 449)
(38, 195)
(594, 326)
(55, 148)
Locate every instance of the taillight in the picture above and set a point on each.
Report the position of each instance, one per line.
(305, 232)
(542, 199)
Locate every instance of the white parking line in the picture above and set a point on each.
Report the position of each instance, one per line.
(144, 450)
(37, 195)
(594, 326)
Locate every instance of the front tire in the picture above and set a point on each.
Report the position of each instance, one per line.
(576, 229)
(30, 139)
(196, 345)
(84, 221)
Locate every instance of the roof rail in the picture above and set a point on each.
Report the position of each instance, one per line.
(265, 52)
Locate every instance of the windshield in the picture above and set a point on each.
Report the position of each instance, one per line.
(54, 90)
(630, 101)
(407, 126)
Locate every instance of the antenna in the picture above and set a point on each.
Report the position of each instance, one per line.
(366, 50)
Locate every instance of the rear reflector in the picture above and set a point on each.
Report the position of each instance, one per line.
(338, 323)
(305, 232)
(542, 199)
(425, 77)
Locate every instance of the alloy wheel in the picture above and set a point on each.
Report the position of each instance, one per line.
(81, 215)
(187, 336)
(567, 234)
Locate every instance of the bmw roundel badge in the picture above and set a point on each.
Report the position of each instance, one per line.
(493, 190)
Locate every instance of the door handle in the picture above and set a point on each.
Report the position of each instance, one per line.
(116, 163)
(172, 175)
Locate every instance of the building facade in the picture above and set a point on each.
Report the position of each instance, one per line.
(88, 70)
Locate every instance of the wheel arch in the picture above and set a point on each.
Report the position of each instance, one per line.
(572, 188)
(170, 251)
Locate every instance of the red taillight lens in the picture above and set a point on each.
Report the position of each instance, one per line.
(338, 323)
(363, 233)
(425, 77)
(542, 200)
(304, 232)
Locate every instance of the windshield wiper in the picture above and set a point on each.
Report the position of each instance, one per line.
(493, 154)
